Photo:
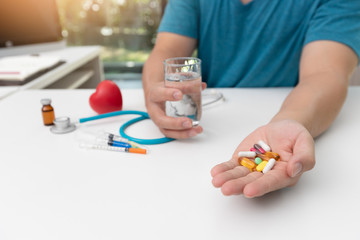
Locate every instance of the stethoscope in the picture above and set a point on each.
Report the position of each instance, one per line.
(143, 116)
(63, 125)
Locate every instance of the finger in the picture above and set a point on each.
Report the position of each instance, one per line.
(237, 172)
(163, 121)
(223, 167)
(303, 158)
(203, 85)
(162, 94)
(271, 181)
(181, 134)
(236, 186)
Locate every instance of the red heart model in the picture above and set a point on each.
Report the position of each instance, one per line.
(106, 98)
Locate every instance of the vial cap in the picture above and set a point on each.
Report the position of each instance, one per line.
(45, 101)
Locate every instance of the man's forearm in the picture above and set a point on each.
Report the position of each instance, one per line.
(153, 71)
(324, 72)
(315, 102)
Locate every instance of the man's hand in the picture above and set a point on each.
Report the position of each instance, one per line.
(289, 139)
(167, 45)
(180, 127)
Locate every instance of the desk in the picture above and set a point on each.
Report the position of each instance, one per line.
(52, 189)
(82, 69)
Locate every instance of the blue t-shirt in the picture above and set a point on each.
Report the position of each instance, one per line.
(259, 44)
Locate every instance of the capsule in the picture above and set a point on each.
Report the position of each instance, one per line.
(261, 166)
(264, 146)
(249, 154)
(269, 165)
(247, 163)
(263, 157)
(272, 155)
(259, 148)
(255, 150)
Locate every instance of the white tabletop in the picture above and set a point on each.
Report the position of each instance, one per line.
(52, 189)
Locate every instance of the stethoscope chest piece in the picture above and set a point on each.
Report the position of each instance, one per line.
(62, 125)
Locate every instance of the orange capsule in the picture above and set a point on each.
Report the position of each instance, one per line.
(272, 155)
(247, 163)
(263, 157)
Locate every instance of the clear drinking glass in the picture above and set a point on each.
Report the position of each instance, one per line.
(184, 73)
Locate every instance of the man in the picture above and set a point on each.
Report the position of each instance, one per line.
(313, 45)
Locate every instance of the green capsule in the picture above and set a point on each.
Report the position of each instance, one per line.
(258, 160)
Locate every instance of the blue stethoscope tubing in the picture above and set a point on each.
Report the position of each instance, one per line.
(143, 116)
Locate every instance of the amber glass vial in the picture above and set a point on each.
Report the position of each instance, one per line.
(47, 112)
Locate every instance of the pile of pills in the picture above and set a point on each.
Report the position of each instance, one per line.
(259, 158)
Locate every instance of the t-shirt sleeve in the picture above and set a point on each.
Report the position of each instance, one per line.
(181, 17)
(337, 20)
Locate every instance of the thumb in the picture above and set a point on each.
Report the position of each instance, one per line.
(303, 158)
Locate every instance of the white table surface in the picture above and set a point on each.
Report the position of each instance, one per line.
(52, 189)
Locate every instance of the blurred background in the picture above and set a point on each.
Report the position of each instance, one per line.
(126, 30)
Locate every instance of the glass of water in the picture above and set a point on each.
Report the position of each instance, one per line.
(184, 73)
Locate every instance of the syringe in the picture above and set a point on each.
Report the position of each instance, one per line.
(113, 143)
(116, 138)
(112, 148)
(106, 138)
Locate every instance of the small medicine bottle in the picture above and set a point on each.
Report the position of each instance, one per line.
(47, 112)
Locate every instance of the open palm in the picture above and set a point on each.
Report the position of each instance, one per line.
(289, 139)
